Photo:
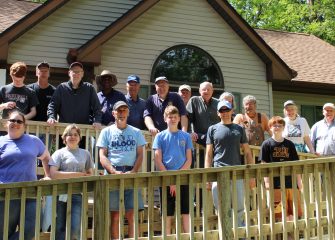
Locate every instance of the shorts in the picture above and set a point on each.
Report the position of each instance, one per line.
(171, 206)
(128, 200)
(289, 203)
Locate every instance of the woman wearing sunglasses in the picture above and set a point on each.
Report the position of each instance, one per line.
(70, 162)
(18, 153)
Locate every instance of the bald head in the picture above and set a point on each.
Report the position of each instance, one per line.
(206, 91)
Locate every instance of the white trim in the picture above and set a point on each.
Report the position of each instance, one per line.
(2, 77)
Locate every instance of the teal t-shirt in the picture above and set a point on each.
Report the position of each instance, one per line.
(121, 144)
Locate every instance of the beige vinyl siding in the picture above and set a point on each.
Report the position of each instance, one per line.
(299, 98)
(173, 22)
(68, 27)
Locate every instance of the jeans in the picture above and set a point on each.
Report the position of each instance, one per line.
(75, 218)
(240, 200)
(14, 219)
(46, 214)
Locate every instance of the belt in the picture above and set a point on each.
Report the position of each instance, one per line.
(123, 168)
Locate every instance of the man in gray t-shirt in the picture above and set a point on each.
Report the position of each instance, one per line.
(223, 141)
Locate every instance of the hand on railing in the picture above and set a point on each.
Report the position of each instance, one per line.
(153, 131)
(96, 125)
(51, 121)
(45, 178)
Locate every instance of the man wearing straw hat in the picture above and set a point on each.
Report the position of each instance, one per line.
(108, 96)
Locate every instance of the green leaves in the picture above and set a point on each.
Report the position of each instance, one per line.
(313, 17)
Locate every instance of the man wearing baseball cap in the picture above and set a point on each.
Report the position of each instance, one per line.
(323, 132)
(156, 104)
(75, 101)
(135, 103)
(121, 149)
(224, 140)
(43, 90)
(185, 92)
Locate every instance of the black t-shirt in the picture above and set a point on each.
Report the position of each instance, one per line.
(44, 96)
(24, 97)
(272, 151)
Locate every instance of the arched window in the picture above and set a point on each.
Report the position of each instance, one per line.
(186, 64)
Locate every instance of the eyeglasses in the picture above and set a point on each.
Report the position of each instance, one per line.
(277, 126)
(72, 134)
(18, 121)
(223, 110)
(76, 72)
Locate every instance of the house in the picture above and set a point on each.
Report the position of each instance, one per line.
(149, 38)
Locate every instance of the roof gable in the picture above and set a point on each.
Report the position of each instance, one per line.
(311, 57)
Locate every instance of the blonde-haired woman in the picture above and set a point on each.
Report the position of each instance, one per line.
(70, 162)
(296, 128)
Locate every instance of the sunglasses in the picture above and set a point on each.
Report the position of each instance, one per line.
(16, 121)
(223, 110)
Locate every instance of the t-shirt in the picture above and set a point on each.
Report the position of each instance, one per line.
(67, 160)
(201, 115)
(121, 144)
(107, 102)
(173, 146)
(226, 140)
(295, 130)
(24, 97)
(273, 151)
(155, 108)
(44, 96)
(18, 158)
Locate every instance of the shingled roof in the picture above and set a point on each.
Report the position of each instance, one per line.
(311, 57)
(14, 10)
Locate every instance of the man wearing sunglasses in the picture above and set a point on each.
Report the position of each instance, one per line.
(224, 140)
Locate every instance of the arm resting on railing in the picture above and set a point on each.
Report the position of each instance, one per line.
(56, 174)
(106, 164)
(45, 163)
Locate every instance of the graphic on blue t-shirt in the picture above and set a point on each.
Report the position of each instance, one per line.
(121, 143)
(294, 130)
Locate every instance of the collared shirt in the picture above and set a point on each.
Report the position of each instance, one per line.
(107, 102)
(323, 137)
(155, 108)
(136, 109)
(202, 115)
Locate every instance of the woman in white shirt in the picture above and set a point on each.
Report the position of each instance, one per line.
(296, 128)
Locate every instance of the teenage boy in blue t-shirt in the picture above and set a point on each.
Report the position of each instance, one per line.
(173, 151)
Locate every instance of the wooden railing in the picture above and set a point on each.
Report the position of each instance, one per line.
(317, 199)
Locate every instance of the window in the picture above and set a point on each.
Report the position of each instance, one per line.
(311, 113)
(186, 64)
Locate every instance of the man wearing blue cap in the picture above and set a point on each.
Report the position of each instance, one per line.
(135, 103)
(224, 140)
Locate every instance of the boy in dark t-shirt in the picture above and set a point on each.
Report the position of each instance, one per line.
(279, 149)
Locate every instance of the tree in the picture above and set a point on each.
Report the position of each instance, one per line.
(308, 16)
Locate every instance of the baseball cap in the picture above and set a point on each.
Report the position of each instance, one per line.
(43, 64)
(225, 104)
(76, 64)
(119, 104)
(331, 105)
(133, 78)
(185, 86)
(162, 78)
(289, 102)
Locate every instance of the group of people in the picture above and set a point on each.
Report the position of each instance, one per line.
(174, 119)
